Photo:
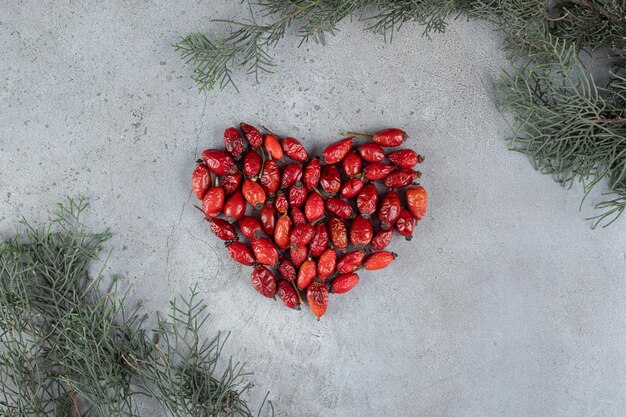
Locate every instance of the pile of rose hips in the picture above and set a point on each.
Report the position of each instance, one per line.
(319, 219)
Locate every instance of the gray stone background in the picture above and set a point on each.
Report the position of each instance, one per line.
(505, 304)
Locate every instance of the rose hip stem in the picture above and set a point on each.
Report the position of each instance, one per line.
(364, 135)
(293, 284)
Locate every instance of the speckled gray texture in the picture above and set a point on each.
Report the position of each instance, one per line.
(506, 303)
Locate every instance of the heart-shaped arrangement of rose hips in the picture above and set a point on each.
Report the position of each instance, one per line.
(316, 220)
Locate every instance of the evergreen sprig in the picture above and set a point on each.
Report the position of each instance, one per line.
(546, 86)
(70, 346)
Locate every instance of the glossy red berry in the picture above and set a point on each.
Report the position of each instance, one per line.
(417, 201)
(297, 216)
(282, 232)
(251, 164)
(268, 218)
(330, 180)
(306, 274)
(405, 225)
(252, 134)
(264, 281)
(292, 173)
(378, 171)
(302, 234)
(344, 283)
(317, 297)
(219, 162)
(222, 229)
(401, 178)
(273, 147)
(405, 158)
(351, 187)
(338, 233)
(253, 193)
(389, 210)
(233, 142)
(361, 232)
(351, 164)
(367, 200)
(287, 269)
(213, 201)
(320, 240)
(312, 173)
(288, 295)
(335, 152)
(297, 195)
(371, 152)
(314, 207)
(235, 207)
(241, 253)
(298, 255)
(381, 239)
(379, 260)
(249, 227)
(390, 137)
(200, 180)
(270, 177)
(351, 261)
(327, 263)
(232, 182)
(264, 251)
(340, 208)
(281, 203)
(294, 149)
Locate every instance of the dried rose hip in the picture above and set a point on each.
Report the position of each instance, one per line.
(319, 241)
(241, 253)
(264, 251)
(298, 255)
(338, 233)
(344, 283)
(200, 180)
(294, 149)
(282, 232)
(405, 158)
(297, 216)
(401, 178)
(232, 182)
(367, 200)
(314, 207)
(233, 142)
(235, 207)
(280, 203)
(306, 274)
(382, 239)
(405, 225)
(302, 234)
(270, 177)
(249, 227)
(251, 164)
(351, 187)
(253, 136)
(371, 152)
(253, 193)
(351, 261)
(417, 201)
(317, 297)
(268, 218)
(361, 232)
(213, 201)
(379, 260)
(389, 209)
(222, 229)
(339, 208)
(288, 295)
(219, 162)
(390, 137)
(292, 173)
(335, 152)
(272, 147)
(326, 263)
(378, 171)
(264, 281)
(287, 270)
(351, 164)
(297, 195)
(312, 173)
(330, 180)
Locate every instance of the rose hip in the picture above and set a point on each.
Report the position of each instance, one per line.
(213, 201)
(367, 200)
(219, 162)
(379, 260)
(326, 263)
(297, 195)
(306, 274)
(251, 164)
(200, 180)
(401, 178)
(235, 207)
(253, 136)
(320, 240)
(264, 251)
(382, 239)
(292, 173)
(339, 208)
(232, 182)
(264, 281)
(282, 231)
(351, 187)
(272, 147)
(417, 201)
(390, 137)
(297, 216)
(378, 171)
(344, 283)
(302, 234)
(317, 297)
(405, 158)
(280, 203)
(249, 227)
(312, 173)
(351, 262)
(222, 229)
(270, 177)
(361, 232)
(253, 193)
(371, 152)
(389, 210)
(330, 180)
(268, 218)
(241, 253)
(233, 142)
(351, 164)
(288, 295)
(314, 207)
(298, 255)
(405, 225)
(335, 152)
(294, 149)
(338, 233)
(287, 270)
